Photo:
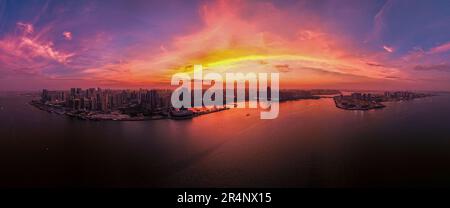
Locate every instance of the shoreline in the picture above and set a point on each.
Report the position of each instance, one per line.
(355, 104)
(117, 116)
(96, 116)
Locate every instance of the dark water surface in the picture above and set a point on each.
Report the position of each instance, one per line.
(310, 144)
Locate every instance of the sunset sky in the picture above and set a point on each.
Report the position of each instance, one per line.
(344, 44)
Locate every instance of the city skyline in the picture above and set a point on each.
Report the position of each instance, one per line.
(379, 45)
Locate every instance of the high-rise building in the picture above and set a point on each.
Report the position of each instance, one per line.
(44, 95)
(72, 93)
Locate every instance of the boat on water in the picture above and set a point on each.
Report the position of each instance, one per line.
(182, 113)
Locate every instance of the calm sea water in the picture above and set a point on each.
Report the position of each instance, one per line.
(310, 144)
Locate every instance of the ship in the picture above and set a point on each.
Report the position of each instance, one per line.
(182, 113)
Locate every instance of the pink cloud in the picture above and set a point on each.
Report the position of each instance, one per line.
(291, 40)
(259, 30)
(379, 21)
(27, 28)
(388, 49)
(28, 52)
(45, 50)
(67, 35)
(440, 48)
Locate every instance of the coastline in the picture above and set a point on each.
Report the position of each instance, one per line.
(341, 102)
(115, 116)
(349, 103)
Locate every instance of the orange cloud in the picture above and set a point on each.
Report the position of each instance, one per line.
(252, 37)
(238, 37)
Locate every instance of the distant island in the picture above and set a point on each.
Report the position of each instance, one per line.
(136, 105)
(368, 101)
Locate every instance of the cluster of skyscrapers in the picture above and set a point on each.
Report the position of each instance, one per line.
(96, 99)
(404, 95)
(387, 96)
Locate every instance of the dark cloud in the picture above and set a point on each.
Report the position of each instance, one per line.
(262, 62)
(435, 67)
(374, 64)
(392, 77)
(335, 73)
(283, 68)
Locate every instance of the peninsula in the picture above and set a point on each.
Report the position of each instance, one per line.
(368, 101)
